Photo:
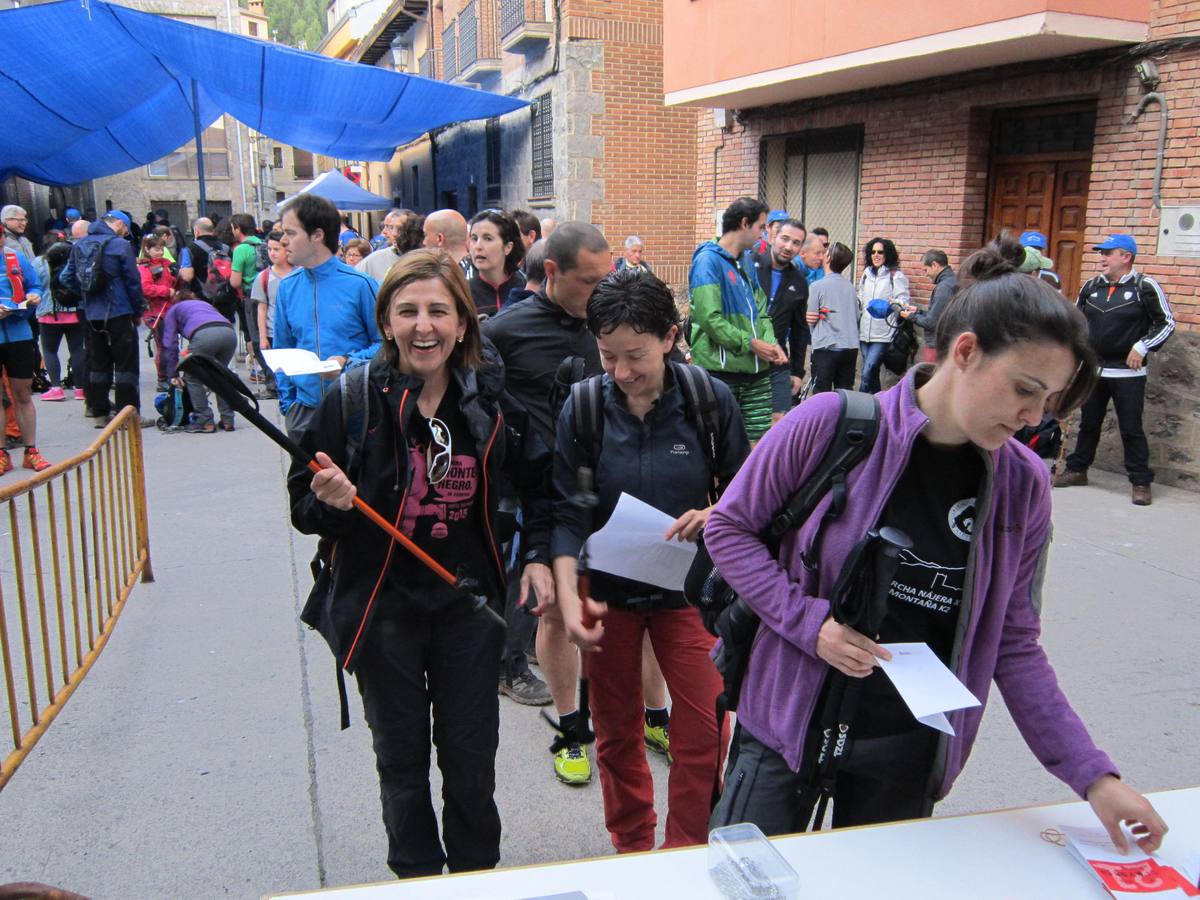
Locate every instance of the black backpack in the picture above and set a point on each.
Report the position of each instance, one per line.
(262, 259)
(727, 615)
(89, 265)
(901, 352)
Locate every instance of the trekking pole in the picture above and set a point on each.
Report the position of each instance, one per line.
(859, 602)
(230, 388)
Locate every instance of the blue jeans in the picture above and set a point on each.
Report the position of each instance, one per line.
(872, 355)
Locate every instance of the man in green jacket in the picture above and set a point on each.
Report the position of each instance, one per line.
(731, 333)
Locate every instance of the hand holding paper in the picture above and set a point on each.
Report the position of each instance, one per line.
(925, 684)
(631, 545)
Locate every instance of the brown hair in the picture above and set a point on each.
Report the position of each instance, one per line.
(362, 245)
(431, 265)
(1002, 308)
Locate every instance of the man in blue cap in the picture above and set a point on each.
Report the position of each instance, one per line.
(1128, 318)
(775, 220)
(113, 302)
(1037, 241)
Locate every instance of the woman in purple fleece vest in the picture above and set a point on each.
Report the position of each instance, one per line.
(977, 506)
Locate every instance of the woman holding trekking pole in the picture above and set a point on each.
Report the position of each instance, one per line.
(423, 434)
(976, 506)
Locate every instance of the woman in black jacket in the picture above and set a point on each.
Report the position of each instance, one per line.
(652, 448)
(423, 435)
(496, 253)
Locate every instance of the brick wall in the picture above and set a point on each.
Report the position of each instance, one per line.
(924, 184)
(645, 170)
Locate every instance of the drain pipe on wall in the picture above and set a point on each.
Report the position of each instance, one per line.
(1148, 73)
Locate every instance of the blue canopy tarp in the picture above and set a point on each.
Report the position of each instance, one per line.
(91, 91)
(342, 192)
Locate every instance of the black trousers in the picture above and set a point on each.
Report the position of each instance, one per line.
(446, 664)
(883, 780)
(112, 351)
(1128, 397)
(522, 626)
(833, 369)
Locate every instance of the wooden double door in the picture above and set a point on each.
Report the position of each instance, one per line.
(1047, 195)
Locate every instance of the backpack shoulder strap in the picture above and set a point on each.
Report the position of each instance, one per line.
(354, 386)
(266, 278)
(587, 419)
(857, 428)
(700, 401)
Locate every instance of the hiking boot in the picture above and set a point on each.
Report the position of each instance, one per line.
(6, 463)
(571, 765)
(1140, 494)
(55, 393)
(1070, 478)
(102, 420)
(526, 689)
(33, 460)
(200, 428)
(226, 425)
(658, 739)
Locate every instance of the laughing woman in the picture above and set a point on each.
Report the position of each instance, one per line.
(436, 434)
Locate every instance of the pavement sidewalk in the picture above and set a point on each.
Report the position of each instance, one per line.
(202, 756)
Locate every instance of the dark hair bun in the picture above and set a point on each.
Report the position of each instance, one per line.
(1001, 256)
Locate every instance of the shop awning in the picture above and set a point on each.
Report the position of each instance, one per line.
(92, 90)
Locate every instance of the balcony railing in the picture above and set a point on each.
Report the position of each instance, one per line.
(478, 57)
(449, 53)
(427, 64)
(523, 26)
(468, 35)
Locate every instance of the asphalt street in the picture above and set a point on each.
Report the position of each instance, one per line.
(202, 755)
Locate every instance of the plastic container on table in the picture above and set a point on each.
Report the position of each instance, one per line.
(744, 865)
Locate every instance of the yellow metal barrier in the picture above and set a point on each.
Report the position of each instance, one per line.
(91, 512)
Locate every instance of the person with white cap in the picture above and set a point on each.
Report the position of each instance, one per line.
(1128, 318)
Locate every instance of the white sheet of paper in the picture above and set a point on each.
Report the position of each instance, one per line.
(631, 545)
(292, 361)
(925, 684)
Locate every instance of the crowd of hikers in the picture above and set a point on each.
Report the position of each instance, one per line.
(501, 382)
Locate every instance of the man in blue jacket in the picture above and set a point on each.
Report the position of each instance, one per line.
(113, 308)
(324, 306)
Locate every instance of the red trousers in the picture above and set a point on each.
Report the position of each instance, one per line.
(681, 646)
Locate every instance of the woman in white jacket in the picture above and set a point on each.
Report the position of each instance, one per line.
(882, 290)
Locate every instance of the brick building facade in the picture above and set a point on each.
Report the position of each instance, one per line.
(942, 163)
(597, 143)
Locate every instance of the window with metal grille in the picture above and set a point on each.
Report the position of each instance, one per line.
(1023, 132)
(542, 137)
(492, 194)
(815, 176)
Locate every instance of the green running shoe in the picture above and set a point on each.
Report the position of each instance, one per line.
(658, 739)
(571, 765)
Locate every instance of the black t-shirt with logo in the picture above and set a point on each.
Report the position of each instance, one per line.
(445, 519)
(934, 504)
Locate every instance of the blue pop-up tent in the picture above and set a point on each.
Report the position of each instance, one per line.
(91, 90)
(341, 192)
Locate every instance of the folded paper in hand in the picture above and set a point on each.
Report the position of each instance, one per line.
(925, 684)
(292, 361)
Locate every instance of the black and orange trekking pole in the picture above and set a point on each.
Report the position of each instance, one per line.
(226, 385)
